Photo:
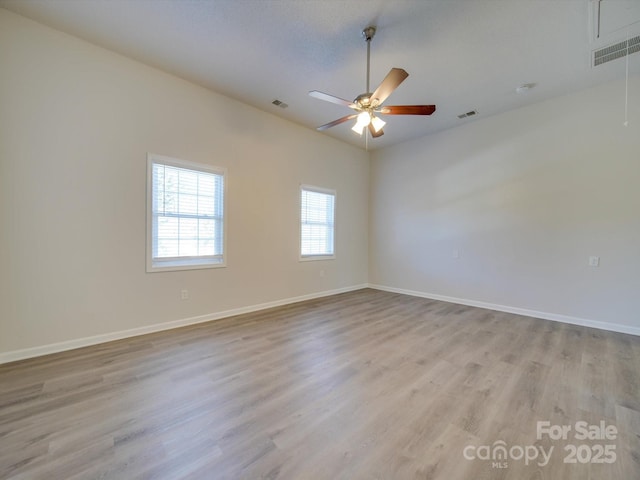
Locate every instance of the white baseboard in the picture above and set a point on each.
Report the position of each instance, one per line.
(612, 327)
(14, 355)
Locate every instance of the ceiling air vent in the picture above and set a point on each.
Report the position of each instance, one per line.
(612, 52)
(279, 103)
(468, 114)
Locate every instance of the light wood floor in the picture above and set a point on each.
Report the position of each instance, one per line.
(363, 385)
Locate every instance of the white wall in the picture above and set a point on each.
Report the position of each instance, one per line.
(76, 123)
(525, 197)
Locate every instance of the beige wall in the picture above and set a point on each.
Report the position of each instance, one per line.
(76, 123)
(525, 197)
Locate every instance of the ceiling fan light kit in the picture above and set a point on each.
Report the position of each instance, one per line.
(377, 123)
(368, 104)
(365, 119)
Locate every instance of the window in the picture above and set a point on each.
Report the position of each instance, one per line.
(185, 215)
(317, 208)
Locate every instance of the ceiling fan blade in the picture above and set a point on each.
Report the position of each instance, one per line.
(394, 78)
(407, 110)
(375, 134)
(330, 98)
(336, 122)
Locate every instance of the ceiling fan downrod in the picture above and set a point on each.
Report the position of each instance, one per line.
(368, 34)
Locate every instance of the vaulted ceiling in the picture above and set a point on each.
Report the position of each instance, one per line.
(461, 55)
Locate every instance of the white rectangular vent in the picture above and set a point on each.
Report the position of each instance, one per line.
(468, 114)
(279, 103)
(618, 50)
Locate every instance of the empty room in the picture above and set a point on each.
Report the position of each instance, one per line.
(320, 239)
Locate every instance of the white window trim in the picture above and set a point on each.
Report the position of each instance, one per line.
(186, 263)
(313, 188)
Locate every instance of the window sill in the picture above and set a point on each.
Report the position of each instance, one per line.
(314, 258)
(178, 265)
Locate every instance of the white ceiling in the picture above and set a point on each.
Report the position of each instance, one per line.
(460, 54)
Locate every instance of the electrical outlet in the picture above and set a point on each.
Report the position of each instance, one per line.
(184, 294)
(594, 261)
(322, 273)
(455, 253)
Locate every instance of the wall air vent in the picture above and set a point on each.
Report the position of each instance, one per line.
(279, 103)
(617, 50)
(468, 114)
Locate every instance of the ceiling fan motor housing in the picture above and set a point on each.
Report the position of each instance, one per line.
(364, 100)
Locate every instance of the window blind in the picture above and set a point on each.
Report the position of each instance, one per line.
(316, 222)
(187, 214)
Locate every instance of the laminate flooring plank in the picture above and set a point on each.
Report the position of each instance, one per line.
(361, 385)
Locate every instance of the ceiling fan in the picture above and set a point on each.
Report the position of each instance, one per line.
(367, 105)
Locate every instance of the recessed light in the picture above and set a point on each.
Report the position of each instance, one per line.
(525, 87)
